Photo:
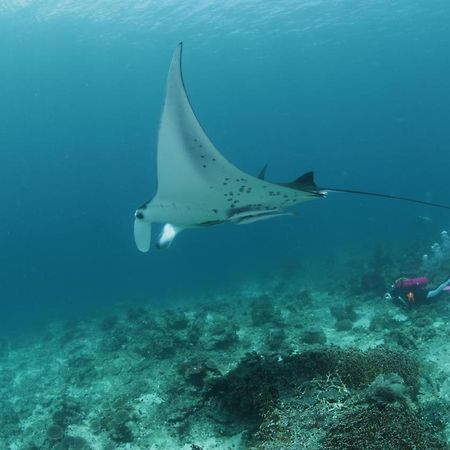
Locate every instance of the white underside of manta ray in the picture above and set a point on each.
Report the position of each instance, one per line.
(198, 187)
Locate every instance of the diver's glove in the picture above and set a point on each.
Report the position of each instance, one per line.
(388, 296)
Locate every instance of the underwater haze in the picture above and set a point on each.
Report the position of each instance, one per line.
(359, 92)
(324, 330)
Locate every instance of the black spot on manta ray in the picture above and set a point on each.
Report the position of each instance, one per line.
(204, 165)
(215, 211)
(139, 215)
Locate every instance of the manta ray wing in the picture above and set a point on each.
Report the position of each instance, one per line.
(197, 186)
(188, 164)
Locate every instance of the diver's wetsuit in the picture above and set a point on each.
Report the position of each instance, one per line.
(416, 295)
(412, 296)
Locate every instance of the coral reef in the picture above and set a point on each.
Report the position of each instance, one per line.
(263, 311)
(72, 443)
(314, 336)
(439, 254)
(345, 316)
(386, 389)
(390, 428)
(277, 365)
(252, 392)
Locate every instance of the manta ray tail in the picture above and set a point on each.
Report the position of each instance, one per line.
(306, 183)
(392, 197)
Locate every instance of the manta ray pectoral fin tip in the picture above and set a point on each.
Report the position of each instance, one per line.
(180, 50)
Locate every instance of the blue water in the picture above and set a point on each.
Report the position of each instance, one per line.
(357, 91)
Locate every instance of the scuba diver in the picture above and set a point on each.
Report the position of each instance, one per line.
(413, 291)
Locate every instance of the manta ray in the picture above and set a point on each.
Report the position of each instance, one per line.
(198, 187)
